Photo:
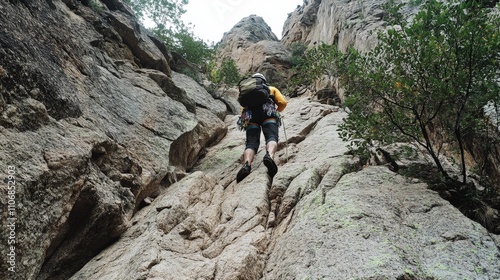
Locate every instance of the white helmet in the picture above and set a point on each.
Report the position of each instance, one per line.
(259, 75)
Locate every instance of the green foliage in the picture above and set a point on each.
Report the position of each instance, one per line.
(415, 2)
(278, 80)
(314, 63)
(427, 81)
(192, 73)
(227, 74)
(191, 47)
(96, 5)
(166, 15)
(298, 50)
(327, 60)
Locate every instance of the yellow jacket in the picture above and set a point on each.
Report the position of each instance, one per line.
(278, 98)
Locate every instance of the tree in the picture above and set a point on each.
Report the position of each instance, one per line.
(313, 63)
(192, 48)
(297, 50)
(166, 15)
(427, 81)
(227, 74)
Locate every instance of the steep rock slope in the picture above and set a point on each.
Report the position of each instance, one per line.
(95, 124)
(314, 221)
(92, 121)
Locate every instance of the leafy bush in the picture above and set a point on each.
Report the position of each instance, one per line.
(298, 49)
(96, 5)
(226, 75)
(323, 60)
(187, 45)
(427, 81)
(168, 26)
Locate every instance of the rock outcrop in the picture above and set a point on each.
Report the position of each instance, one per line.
(343, 23)
(335, 22)
(92, 122)
(254, 48)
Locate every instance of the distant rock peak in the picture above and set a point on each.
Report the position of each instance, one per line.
(251, 29)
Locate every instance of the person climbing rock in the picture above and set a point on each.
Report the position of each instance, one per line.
(260, 113)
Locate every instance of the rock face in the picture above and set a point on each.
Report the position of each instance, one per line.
(375, 224)
(92, 121)
(117, 167)
(346, 23)
(313, 221)
(342, 23)
(254, 48)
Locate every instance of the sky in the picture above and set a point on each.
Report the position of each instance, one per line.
(214, 17)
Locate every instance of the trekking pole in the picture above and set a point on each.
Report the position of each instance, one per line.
(286, 139)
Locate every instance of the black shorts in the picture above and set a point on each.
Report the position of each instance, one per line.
(261, 122)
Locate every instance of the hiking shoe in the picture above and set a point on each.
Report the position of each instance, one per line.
(272, 168)
(243, 173)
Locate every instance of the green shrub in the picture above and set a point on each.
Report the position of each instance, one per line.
(168, 26)
(226, 75)
(427, 81)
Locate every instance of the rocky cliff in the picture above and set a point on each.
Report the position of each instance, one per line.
(344, 23)
(117, 167)
(93, 121)
(254, 48)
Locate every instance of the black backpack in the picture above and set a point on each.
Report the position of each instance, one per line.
(253, 92)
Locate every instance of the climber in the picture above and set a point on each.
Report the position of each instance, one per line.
(265, 117)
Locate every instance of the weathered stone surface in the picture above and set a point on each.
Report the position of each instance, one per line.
(375, 224)
(346, 23)
(356, 24)
(312, 221)
(200, 95)
(195, 230)
(125, 169)
(189, 147)
(89, 114)
(250, 30)
(254, 48)
(136, 38)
